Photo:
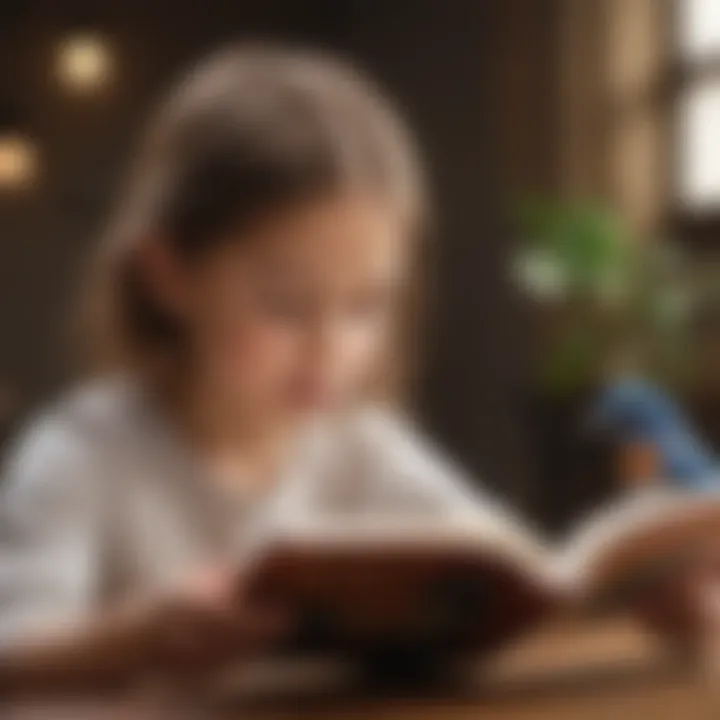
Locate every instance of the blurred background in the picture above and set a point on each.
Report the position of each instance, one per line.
(575, 163)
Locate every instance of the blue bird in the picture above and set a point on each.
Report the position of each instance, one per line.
(637, 411)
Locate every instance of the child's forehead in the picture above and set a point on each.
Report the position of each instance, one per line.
(321, 234)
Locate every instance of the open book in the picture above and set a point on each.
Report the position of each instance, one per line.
(469, 586)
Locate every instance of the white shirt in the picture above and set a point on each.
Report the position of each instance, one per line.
(101, 501)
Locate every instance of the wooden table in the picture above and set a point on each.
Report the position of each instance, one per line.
(604, 670)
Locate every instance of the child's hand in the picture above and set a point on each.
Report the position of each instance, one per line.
(685, 609)
(194, 629)
(209, 620)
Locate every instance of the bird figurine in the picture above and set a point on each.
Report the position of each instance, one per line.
(640, 414)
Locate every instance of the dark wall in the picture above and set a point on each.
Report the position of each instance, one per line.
(472, 77)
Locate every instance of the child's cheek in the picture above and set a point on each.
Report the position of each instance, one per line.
(258, 356)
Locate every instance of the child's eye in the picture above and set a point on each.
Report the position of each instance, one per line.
(370, 305)
(285, 306)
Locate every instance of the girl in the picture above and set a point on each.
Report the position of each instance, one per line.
(250, 308)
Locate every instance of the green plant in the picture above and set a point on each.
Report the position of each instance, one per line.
(607, 298)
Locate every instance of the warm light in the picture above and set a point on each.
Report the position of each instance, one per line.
(18, 161)
(699, 28)
(699, 158)
(84, 62)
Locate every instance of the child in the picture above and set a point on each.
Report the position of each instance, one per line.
(250, 305)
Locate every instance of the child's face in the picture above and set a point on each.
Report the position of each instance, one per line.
(297, 315)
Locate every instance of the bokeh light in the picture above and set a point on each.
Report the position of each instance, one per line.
(18, 161)
(84, 62)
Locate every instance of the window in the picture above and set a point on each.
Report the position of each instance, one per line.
(698, 119)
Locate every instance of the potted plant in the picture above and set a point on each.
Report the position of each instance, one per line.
(607, 303)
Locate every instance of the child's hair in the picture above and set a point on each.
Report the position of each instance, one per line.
(251, 130)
